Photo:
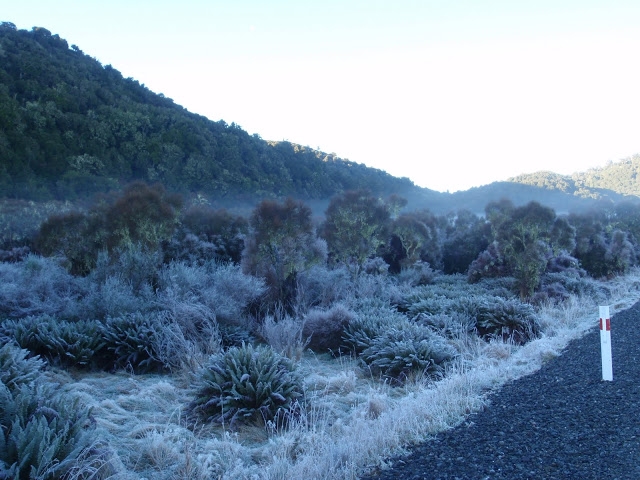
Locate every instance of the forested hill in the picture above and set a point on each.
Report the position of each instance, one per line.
(622, 177)
(70, 126)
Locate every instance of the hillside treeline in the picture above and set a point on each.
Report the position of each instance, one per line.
(360, 232)
(621, 177)
(71, 127)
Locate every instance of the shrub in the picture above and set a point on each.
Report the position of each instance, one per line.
(281, 243)
(324, 328)
(207, 234)
(372, 319)
(220, 289)
(322, 287)
(247, 383)
(60, 342)
(42, 433)
(285, 336)
(134, 340)
(420, 273)
(37, 286)
(508, 319)
(16, 369)
(404, 349)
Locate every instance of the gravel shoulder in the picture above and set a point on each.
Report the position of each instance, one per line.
(560, 422)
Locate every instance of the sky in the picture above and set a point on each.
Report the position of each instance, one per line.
(449, 93)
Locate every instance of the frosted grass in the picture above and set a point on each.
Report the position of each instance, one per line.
(350, 423)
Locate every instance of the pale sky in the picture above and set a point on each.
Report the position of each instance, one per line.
(450, 93)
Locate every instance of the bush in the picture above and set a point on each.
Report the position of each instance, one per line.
(60, 342)
(134, 340)
(420, 273)
(38, 286)
(372, 319)
(324, 328)
(405, 349)
(42, 433)
(322, 287)
(16, 369)
(220, 289)
(245, 384)
(285, 336)
(508, 319)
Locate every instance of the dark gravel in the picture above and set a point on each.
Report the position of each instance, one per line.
(562, 422)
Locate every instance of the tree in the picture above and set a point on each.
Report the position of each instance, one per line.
(144, 215)
(355, 227)
(414, 237)
(466, 237)
(280, 244)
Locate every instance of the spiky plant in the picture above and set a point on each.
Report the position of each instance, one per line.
(246, 384)
(509, 318)
(60, 342)
(16, 369)
(370, 322)
(42, 432)
(405, 349)
(133, 341)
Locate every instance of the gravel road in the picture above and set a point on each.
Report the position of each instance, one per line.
(562, 422)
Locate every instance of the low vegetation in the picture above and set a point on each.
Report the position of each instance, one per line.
(147, 338)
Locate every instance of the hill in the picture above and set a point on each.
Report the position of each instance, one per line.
(621, 177)
(70, 126)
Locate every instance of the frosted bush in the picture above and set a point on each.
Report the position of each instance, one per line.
(285, 336)
(321, 287)
(324, 328)
(372, 318)
(247, 384)
(60, 342)
(406, 349)
(38, 286)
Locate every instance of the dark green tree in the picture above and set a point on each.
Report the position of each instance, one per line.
(355, 227)
(280, 244)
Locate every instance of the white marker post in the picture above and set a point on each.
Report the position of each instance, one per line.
(605, 344)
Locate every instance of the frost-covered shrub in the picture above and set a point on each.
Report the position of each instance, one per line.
(560, 285)
(15, 254)
(322, 287)
(222, 289)
(16, 368)
(42, 433)
(451, 325)
(245, 384)
(37, 286)
(111, 293)
(375, 266)
(60, 342)
(419, 273)
(133, 341)
(489, 264)
(324, 328)
(509, 318)
(372, 319)
(405, 349)
(285, 336)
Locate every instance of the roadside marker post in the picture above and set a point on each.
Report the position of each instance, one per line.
(605, 344)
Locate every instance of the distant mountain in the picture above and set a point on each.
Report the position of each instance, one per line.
(622, 177)
(70, 127)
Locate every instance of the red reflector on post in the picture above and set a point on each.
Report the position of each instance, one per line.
(606, 325)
